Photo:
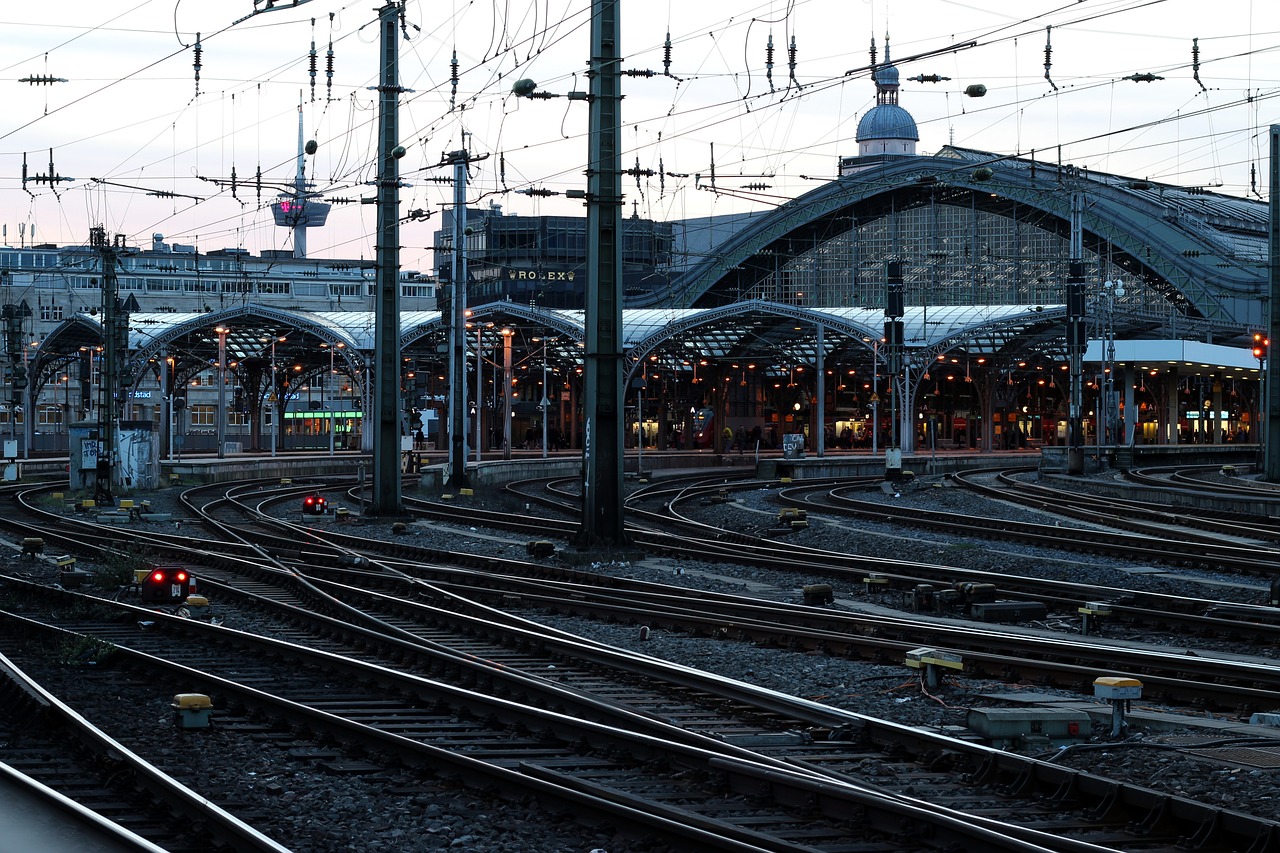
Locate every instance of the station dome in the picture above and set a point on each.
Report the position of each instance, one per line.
(886, 128)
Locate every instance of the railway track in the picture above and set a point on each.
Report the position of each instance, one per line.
(988, 650)
(372, 711)
(343, 561)
(1180, 523)
(51, 753)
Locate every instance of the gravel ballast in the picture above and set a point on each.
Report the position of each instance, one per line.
(311, 809)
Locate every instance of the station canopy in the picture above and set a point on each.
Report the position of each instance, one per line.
(774, 335)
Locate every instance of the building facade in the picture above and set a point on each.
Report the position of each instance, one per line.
(44, 286)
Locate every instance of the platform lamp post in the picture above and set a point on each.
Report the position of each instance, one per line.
(875, 393)
(274, 396)
(1113, 291)
(545, 403)
(1261, 349)
(893, 336)
(507, 335)
(333, 421)
(66, 406)
(479, 407)
(479, 424)
(640, 385)
(167, 394)
(222, 388)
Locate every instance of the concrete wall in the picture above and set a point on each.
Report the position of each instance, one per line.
(1054, 459)
(214, 470)
(867, 466)
(502, 471)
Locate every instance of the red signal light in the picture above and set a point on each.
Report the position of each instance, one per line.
(166, 585)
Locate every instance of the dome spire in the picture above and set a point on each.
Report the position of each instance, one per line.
(886, 128)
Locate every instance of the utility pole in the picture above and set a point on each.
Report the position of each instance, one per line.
(894, 308)
(458, 327)
(1271, 381)
(1076, 339)
(114, 375)
(602, 497)
(387, 401)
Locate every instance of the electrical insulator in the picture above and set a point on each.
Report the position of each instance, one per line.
(197, 52)
(768, 61)
(328, 61)
(311, 61)
(328, 72)
(453, 77)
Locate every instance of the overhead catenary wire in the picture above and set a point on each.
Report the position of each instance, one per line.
(488, 90)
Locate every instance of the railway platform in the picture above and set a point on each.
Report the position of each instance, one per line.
(37, 818)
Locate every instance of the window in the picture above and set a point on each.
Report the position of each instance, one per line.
(203, 415)
(281, 287)
(50, 313)
(49, 415)
(158, 285)
(411, 291)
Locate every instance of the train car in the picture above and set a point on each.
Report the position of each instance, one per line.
(745, 432)
(704, 428)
